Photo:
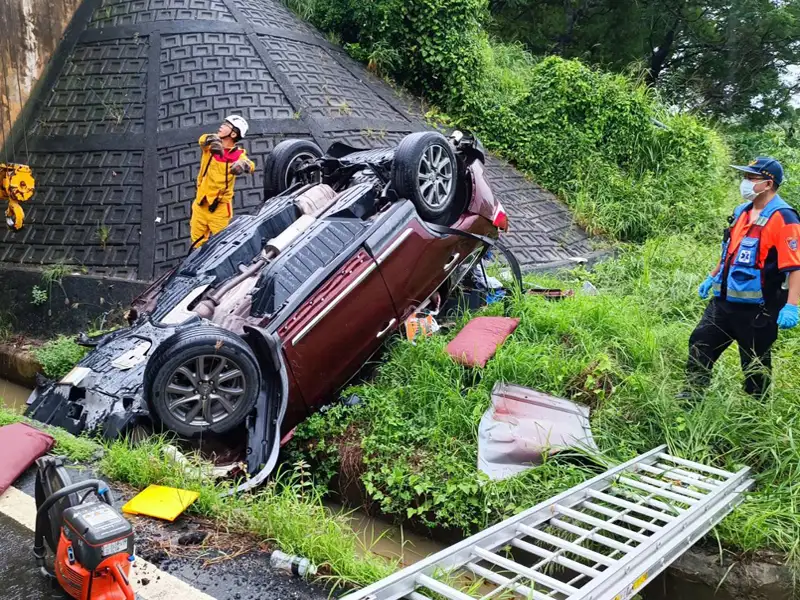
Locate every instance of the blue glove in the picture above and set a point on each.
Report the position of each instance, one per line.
(705, 287)
(787, 318)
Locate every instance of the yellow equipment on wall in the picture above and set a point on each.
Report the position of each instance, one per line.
(16, 186)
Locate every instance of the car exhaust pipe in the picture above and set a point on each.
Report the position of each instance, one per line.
(206, 307)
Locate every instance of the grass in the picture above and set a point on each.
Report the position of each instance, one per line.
(77, 449)
(287, 511)
(413, 441)
(59, 355)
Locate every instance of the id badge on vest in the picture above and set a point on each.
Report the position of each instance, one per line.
(748, 252)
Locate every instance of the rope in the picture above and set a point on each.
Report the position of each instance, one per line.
(8, 106)
(22, 116)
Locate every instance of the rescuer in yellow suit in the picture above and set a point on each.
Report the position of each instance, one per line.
(221, 163)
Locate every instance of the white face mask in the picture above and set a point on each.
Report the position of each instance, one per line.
(747, 190)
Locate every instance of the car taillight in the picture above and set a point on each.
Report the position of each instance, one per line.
(500, 218)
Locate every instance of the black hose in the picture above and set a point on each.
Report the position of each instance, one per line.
(38, 543)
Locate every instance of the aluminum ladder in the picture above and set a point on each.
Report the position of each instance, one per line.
(604, 539)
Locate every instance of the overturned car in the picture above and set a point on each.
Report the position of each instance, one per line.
(263, 324)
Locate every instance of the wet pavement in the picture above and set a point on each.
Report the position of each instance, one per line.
(19, 577)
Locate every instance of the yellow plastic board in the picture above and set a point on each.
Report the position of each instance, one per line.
(160, 502)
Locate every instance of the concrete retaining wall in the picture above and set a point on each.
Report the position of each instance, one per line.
(31, 31)
(74, 303)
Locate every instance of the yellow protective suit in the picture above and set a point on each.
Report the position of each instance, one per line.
(212, 208)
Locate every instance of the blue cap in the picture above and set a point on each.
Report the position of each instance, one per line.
(765, 166)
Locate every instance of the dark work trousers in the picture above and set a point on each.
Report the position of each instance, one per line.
(753, 328)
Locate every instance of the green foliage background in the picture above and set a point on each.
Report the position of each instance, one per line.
(588, 135)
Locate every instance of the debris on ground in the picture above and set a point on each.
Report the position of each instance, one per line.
(420, 325)
(199, 468)
(296, 565)
(550, 293)
(193, 538)
(479, 340)
(161, 502)
(523, 424)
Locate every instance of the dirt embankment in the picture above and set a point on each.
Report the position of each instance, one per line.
(17, 362)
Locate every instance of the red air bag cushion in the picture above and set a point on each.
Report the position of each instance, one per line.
(479, 340)
(22, 445)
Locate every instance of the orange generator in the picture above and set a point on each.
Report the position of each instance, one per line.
(92, 541)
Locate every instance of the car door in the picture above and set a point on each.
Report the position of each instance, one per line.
(413, 260)
(336, 330)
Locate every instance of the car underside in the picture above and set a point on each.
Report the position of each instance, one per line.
(262, 325)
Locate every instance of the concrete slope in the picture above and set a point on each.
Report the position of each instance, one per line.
(112, 129)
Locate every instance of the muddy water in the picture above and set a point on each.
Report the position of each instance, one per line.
(13, 395)
(390, 541)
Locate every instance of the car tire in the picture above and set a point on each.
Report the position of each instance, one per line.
(202, 379)
(281, 162)
(425, 171)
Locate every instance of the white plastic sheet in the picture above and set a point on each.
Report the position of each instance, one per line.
(522, 423)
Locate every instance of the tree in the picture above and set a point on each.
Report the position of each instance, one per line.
(725, 58)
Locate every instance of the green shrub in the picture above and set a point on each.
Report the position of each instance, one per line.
(431, 46)
(590, 137)
(585, 134)
(58, 356)
(772, 141)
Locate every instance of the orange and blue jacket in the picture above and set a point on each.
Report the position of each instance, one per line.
(778, 250)
(215, 180)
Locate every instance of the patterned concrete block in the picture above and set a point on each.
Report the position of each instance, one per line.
(112, 134)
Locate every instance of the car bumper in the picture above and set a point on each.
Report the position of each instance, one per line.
(103, 394)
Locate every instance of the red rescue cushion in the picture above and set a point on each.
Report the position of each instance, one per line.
(479, 340)
(22, 445)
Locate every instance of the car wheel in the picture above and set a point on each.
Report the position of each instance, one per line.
(202, 379)
(425, 171)
(280, 168)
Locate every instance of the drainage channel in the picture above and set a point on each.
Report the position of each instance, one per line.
(380, 537)
(13, 395)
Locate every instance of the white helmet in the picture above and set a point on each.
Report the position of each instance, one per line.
(239, 123)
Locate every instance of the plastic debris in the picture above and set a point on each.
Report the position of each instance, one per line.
(420, 324)
(589, 289)
(161, 502)
(296, 565)
(352, 400)
(523, 424)
(200, 468)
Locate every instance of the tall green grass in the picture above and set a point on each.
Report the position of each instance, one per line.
(622, 352)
